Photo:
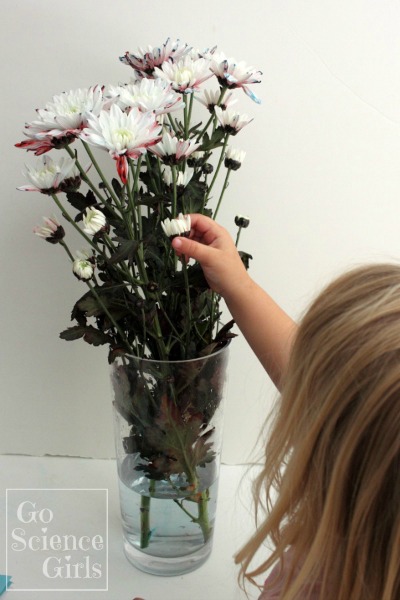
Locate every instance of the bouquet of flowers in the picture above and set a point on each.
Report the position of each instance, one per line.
(142, 301)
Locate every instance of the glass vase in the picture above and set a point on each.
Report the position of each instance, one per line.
(168, 434)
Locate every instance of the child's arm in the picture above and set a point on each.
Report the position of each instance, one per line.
(266, 327)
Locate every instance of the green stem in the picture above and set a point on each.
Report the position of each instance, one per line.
(187, 113)
(153, 182)
(213, 297)
(144, 521)
(221, 159)
(190, 107)
(143, 275)
(72, 222)
(188, 305)
(67, 250)
(228, 172)
(238, 236)
(131, 200)
(86, 237)
(100, 173)
(203, 518)
(172, 124)
(84, 176)
(123, 269)
(164, 312)
(111, 318)
(175, 195)
(180, 504)
(213, 117)
(100, 303)
(145, 532)
(135, 176)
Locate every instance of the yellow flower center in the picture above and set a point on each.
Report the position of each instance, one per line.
(184, 75)
(122, 137)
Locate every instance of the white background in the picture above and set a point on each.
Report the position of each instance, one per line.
(321, 184)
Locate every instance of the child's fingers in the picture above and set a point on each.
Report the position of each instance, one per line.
(192, 249)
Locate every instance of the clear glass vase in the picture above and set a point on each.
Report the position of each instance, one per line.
(168, 434)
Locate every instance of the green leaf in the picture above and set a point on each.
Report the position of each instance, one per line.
(73, 333)
(245, 258)
(90, 334)
(125, 251)
(117, 187)
(152, 199)
(79, 201)
(214, 142)
(90, 306)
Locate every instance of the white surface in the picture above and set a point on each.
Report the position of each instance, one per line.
(321, 183)
(215, 580)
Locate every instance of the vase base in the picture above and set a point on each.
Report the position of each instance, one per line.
(166, 566)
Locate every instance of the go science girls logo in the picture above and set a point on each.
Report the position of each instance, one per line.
(57, 539)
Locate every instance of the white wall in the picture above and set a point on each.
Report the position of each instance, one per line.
(321, 183)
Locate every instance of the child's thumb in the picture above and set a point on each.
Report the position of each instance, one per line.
(191, 249)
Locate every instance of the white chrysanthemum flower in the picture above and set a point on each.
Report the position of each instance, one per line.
(146, 59)
(47, 175)
(51, 231)
(93, 220)
(123, 135)
(179, 226)
(230, 121)
(111, 95)
(66, 113)
(61, 120)
(207, 53)
(233, 74)
(172, 149)
(83, 265)
(234, 158)
(210, 99)
(182, 178)
(185, 75)
(150, 95)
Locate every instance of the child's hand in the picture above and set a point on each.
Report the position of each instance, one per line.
(212, 246)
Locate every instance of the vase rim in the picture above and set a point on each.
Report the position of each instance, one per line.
(183, 360)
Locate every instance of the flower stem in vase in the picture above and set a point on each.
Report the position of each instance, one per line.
(144, 521)
(203, 519)
(145, 531)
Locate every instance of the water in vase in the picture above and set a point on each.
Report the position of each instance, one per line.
(171, 530)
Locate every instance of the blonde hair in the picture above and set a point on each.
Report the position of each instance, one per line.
(331, 479)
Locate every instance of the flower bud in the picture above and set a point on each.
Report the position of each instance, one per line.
(207, 169)
(83, 266)
(234, 158)
(196, 159)
(93, 221)
(242, 221)
(152, 286)
(51, 231)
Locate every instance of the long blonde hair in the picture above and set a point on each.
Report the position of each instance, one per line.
(331, 479)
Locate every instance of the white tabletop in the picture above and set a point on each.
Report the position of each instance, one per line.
(215, 580)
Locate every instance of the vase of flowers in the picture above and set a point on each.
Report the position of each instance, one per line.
(168, 430)
(155, 312)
